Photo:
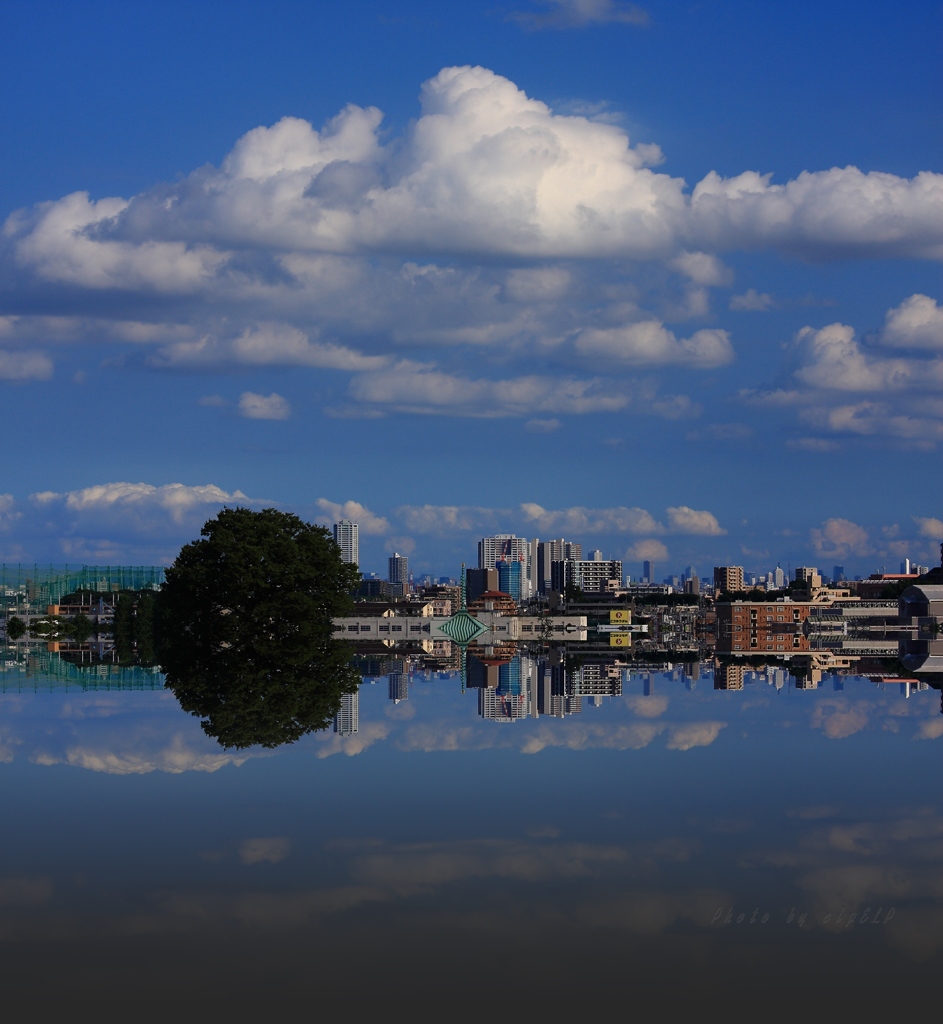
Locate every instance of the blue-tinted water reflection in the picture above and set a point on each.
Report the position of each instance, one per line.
(639, 827)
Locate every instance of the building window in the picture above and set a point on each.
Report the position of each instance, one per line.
(352, 629)
(365, 629)
(397, 629)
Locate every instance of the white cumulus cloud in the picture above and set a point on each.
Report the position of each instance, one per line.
(647, 550)
(484, 169)
(752, 300)
(410, 387)
(930, 527)
(270, 344)
(916, 323)
(579, 519)
(445, 519)
(16, 365)
(694, 522)
(650, 343)
(263, 407)
(175, 499)
(367, 521)
(839, 537)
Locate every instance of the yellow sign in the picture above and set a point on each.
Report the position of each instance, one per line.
(620, 615)
(620, 639)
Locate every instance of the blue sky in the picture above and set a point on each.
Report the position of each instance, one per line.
(661, 278)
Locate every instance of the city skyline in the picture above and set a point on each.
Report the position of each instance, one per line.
(662, 327)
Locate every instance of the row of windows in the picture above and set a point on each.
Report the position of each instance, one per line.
(387, 629)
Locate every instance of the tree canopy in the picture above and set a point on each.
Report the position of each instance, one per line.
(246, 630)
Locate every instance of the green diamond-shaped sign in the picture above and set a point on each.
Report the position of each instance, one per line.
(463, 627)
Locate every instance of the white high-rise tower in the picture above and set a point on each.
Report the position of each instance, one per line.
(347, 538)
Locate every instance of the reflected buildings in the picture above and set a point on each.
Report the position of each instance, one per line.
(347, 717)
(398, 686)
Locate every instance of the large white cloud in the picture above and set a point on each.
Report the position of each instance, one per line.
(63, 241)
(834, 359)
(893, 378)
(446, 519)
(369, 522)
(580, 519)
(840, 537)
(268, 344)
(484, 170)
(916, 323)
(695, 522)
(842, 212)
(417, 388)
(650, 343)
(20, 365)
(177, 500)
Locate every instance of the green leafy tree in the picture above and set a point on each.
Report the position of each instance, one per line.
(16, 628)
(246, 627)
(80, 628)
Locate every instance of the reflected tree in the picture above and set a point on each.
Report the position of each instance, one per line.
(16, 628)
(246, 628)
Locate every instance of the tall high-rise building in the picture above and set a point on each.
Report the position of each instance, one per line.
(399, 686)
(809, 575)
(511, 548)
(347, 719)
(778, 577)
(648, 571)
(509, 578)
(347, 538)
(398, 568)
(838, 573)
(478, 582)
(728, 577)
(550, 551)
(590, 576)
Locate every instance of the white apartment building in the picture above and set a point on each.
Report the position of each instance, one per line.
(347, 538)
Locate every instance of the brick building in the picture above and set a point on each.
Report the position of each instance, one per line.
(745, 627)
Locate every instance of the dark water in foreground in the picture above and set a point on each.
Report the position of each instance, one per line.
(763, 851)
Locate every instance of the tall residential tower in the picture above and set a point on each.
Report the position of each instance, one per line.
(347, 538)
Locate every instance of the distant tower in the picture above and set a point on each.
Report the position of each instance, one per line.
(399, 686)
(347, 719)
(509, 578)
(648, 571)
(399, 569)
(347, 538)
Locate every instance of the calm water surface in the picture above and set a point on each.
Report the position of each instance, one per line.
(769, 849)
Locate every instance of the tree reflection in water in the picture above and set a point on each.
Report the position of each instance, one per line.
(246, 628)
